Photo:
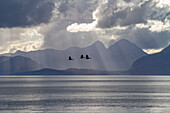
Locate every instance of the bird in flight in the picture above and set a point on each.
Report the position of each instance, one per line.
(69, 58)
(81, 57)
(87, 57)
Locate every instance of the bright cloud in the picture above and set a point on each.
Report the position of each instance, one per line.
(163, 3)
(81, 27)
(26, 39)
(156, 25)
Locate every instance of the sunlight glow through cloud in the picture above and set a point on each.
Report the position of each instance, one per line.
(152, 51)
(22, 46)
(28, 39)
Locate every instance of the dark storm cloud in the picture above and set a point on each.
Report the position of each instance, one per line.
(23, 13)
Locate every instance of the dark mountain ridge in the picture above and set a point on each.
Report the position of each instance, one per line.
(71, 72)
(154, 64)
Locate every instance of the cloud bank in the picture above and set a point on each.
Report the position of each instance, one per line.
(60, 24)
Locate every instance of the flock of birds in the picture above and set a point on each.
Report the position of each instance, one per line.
(81, 57)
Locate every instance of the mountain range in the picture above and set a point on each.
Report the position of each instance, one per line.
(117, 57)
(123, 57)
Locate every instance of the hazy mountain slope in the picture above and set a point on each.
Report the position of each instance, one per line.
(17, 64)
(100, 54)
(158, 63)
(125, 53)
(102, 58)
(4, 58)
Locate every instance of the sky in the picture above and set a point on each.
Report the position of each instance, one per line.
(30, 25)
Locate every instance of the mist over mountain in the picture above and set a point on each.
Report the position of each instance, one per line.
(125, 53)
(16, 64)
(155, 64)
(119, 56)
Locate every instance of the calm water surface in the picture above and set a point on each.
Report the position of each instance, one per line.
(85, 94)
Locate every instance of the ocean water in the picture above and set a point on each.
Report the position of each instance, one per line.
(85, 94)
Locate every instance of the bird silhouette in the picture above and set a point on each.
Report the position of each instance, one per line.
(69, 58)
(87, 57)
(81, 57)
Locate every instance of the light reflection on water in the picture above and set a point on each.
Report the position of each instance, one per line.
(77, 94)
